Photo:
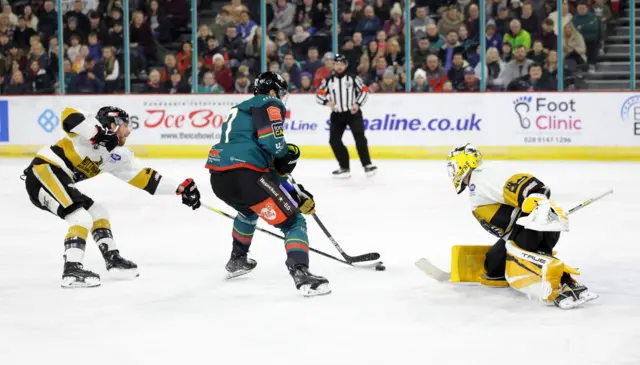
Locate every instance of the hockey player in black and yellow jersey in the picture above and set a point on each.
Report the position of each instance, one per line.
(93, 145)
(516, 207)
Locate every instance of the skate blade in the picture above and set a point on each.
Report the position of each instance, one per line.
(123, 274)
(73, 283)
(371, 173)
(235, 274)
(588, 296)
(342, 176)
(322, 289)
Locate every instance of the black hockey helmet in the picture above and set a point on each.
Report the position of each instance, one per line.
(111, 114)
(268, 81)
(340, 58)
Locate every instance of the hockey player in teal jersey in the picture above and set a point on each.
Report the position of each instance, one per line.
(249, 171)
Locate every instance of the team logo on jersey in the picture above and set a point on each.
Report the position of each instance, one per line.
(274, 113)
(472, 187)
(214, 153)
(268, 212)
(278, 130)
(115, 158)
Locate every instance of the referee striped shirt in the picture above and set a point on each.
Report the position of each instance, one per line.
(344, 90)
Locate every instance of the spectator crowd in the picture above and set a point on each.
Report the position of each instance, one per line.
(521, 44)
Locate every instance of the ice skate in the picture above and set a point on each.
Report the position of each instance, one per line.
(341, 173)
(75, 276)
(239, 265)
(117, 265)
(572, 295)
(308, 284)
(370, 170)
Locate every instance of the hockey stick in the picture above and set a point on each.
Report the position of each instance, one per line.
(350, 259)
(375, 265)
(440, 275)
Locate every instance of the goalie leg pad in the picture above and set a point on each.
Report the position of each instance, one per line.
(537, 276)
(467, 263)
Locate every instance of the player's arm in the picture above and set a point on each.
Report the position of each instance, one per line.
(521, 186)
(75, 123)
(130, 170)
(269, 125)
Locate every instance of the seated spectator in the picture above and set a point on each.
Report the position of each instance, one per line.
(111, 68)
(470, 82)
(503, 20)
(87, 81)
(353, 55)
(22, 34)
(507, 53)
(573, 46)
(246, 27)
(588, 25)
(456, 72)
(450, 21)
(209, 85)
(449, 49)
(253, 52)
(95, 47)
(473, 23)
(289, 65)
(38, 54)
(170, 64)
(52, 66)
(211, 49)
(420, 54)
(98, 27)
(223, 21)
(73, 30)
(373, 52)
(300, 42)
(436, 74)
(39, 81)
(381, 39)
(394, 56)
(348, 24)
(115, 38)
(306, 83)
(283, 17)
(529, 20)
(551, 65)
(291, 87)
(5, 27)
(282, 44)
(549, 37)
(222, 73)
(8, 12)
(447, 87)
(235, 9)
(421, 21)
(466, 42)
(154, 85)
(242, 84)
(603, 12)
(17, 86)
(376, 74)
(32, 20)
(69, 74)
(494, 40)
(4, 44)
(47, 20)
(176, 85)
(142, 42)
(358, 10)
(389, 83)
(435, 39)
(517, 36)
(566, 16)
(324, 71)
(159, 22)
(517, 67)
(369, 25)
(234, 46)
(274, 66)
(537, 54)
(535, 80)
(14, 55)
(79, 60)
(80, 17)
(74, 49)
(492, 69)
(363, 70)
(420, 83)
(394, 27)
(515, 9)
(183, 58)
(357, 41)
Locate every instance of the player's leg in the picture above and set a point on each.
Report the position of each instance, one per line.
(336, 131)
(494, 265)
(50, 189)
(356, 123)
(103, 236)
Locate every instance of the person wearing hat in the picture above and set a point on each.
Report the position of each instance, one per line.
(451, 21)
(493, 38)
(345, 94)
(470, 82)
(503, 19)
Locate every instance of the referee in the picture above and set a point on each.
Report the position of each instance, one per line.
(344, 95)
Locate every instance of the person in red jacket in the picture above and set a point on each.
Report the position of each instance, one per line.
(324, 71)
(222, 73)
(436, 74)
(184, 57)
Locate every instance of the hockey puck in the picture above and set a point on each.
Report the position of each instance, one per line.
(380, 267)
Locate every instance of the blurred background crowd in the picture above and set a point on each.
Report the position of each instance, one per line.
(444, 51)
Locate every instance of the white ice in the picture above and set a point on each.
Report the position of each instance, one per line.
(182, 311)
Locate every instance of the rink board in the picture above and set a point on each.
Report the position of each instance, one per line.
(535, 126)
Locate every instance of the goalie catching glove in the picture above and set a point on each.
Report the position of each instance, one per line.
(286, 164)
(544, 215)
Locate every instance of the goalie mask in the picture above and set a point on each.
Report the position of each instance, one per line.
(460, 162)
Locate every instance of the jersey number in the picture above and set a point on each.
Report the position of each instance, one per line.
(230, 117)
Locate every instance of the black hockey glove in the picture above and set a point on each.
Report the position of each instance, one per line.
(106, 138)
(304, 199)
(190, 194)
(286, 164)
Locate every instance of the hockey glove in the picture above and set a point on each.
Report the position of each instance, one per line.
(304, 199)
(190, 194)
(105, 138)
(286, 164)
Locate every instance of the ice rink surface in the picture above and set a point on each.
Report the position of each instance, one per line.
(182, 311)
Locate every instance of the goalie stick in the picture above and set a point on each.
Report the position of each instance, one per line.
(442, 276)
(373, 265)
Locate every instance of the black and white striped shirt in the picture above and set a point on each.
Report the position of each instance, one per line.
(343, 90)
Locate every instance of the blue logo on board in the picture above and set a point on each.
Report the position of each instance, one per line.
(48, 120)
(4, 121)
